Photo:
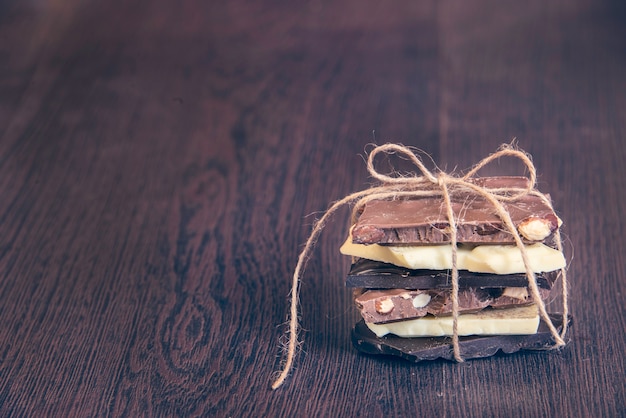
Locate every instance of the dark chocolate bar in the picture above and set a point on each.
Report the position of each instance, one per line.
(432, 348)
(376, 275)
(424, 220)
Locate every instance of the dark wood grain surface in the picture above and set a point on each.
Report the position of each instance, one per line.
(161, 165)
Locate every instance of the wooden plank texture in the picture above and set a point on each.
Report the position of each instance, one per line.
(161, 165)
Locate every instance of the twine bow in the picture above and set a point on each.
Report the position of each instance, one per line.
(444, 185)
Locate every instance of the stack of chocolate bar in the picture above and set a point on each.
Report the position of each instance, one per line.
(402, 274)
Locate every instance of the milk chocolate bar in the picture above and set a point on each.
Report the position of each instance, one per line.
(381, 306)
(424, 220)
(432, 348)
(376, 275)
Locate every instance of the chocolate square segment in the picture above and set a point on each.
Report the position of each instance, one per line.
(423, 220)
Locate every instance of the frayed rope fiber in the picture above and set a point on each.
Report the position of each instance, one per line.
(425, 184)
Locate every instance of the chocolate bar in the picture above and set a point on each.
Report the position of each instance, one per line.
(402, 273)
(496, 259)
(376, 275)
(380, 306)
(519, 320)
(432, 348)
(424, 220)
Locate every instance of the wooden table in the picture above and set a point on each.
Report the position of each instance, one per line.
(162, 163)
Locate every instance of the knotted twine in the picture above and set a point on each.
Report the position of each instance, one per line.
(428, 185)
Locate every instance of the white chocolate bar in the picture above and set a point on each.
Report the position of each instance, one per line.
(512, 321)
(496, 259)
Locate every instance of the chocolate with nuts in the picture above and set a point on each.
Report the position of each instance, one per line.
(424, 220)
(379, 306)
